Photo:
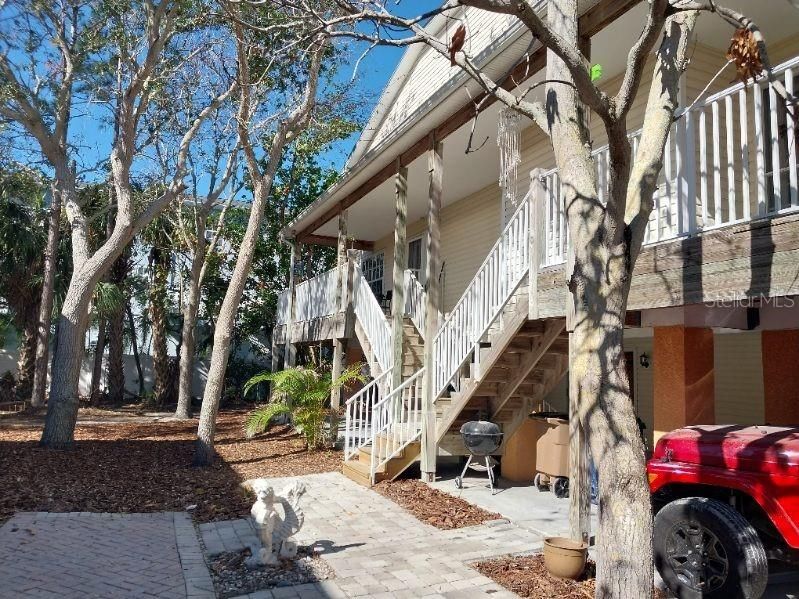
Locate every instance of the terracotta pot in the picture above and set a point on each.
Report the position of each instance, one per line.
(565, 558)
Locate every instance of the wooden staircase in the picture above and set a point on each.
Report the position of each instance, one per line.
(521, 361)
(358, 469)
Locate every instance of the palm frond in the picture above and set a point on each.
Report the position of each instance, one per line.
(261, 418)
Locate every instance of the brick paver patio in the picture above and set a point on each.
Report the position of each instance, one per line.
(84, 555)
(377, 549)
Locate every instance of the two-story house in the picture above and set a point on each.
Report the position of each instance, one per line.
(713, 325)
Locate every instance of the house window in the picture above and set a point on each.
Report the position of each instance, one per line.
(372, 267)
(416, 258)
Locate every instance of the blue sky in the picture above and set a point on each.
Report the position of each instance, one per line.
(90, 127)
(374, 72)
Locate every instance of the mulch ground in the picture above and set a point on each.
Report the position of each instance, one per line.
(146, 467)
(433, 506)
(527, 576)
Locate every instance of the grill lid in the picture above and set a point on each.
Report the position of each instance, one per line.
(480, 427)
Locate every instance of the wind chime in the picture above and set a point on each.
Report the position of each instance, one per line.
(508, 136)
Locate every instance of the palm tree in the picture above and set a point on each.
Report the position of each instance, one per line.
(304, 395)
(22, 241)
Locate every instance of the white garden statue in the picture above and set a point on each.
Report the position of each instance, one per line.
(274, 531)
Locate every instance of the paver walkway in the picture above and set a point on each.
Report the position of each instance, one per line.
(377, 549)
(84, 555)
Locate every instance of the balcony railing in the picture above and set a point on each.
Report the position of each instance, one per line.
(729, 158)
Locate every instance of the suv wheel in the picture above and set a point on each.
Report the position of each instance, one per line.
(705, 549)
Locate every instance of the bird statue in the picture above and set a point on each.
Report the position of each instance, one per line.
(456, 43)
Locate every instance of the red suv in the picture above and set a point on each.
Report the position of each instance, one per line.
(726, 501)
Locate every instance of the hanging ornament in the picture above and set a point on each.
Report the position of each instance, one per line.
(508, 136)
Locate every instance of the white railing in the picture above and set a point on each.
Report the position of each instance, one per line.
(316, 297)
(359, 409)
(281, 314)
(731, 157)
(415, 301)
(372, 319)
(483, 300)
(396, 421)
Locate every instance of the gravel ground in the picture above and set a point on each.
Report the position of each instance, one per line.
(232, 577)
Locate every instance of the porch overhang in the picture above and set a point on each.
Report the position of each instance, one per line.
(513, 59)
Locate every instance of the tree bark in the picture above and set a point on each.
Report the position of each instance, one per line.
(116, 327)
(27, 353)
(97, 369)
(160, 261)
(46, 304)
(190, 310)
(135, 347)
(223, 333)
(62, 406)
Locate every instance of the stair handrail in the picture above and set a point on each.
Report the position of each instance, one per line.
(358, 410)
(372, 320)
(415, 301)
(483, 299)
(398, 417)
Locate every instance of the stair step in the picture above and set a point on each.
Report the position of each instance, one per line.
(359, 472)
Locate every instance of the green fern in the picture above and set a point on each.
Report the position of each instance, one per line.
(304, 395)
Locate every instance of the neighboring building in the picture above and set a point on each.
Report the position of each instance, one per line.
(713, 326)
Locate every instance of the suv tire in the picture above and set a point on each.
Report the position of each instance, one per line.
(704, 549)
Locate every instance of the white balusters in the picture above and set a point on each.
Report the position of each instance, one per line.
(372, 320)
(415, 301)
(316, 297)
(482, 301)
(358, 410)
(396, 421)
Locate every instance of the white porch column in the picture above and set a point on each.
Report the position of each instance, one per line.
(398, 274)
(340, 343)
(429, 435)
(291, 350)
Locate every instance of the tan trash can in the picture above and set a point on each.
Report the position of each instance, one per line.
(552, 455)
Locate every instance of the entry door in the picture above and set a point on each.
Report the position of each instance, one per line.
(416, 252)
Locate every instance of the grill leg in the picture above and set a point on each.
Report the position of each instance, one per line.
(490, 470)
(466, 467)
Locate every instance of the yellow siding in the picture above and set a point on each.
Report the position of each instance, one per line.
(644, 391)
(469, 228)
(738, 376)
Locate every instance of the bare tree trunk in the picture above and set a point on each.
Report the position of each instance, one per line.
(97, 370)
(158, 321)
(116, 341)
(62, 406)
(135, 347)
(223, 333)
(599, 275)
(46, 305)
(190, 310)
(27, 354)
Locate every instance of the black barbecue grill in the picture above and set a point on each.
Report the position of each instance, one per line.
(481, 438)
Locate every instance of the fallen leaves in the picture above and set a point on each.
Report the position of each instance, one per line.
(146, 467)
(433, 506)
